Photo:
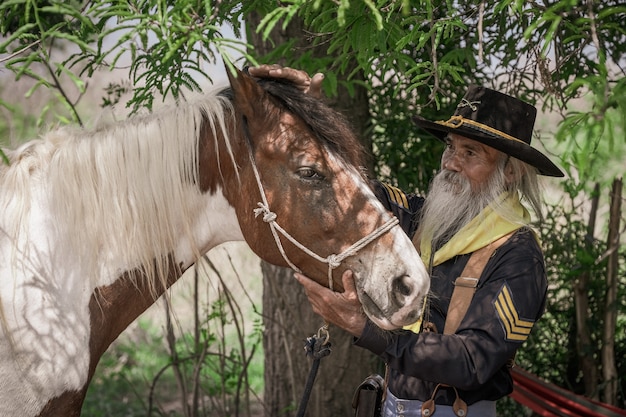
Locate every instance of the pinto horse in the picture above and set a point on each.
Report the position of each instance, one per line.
(96, 225)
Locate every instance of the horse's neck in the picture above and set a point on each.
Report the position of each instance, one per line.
(79, 209)
(83, 210)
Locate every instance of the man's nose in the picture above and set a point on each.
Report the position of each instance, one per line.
(451, 162)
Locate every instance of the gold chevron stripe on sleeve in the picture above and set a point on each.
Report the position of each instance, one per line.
(516, 329)
(397, 195)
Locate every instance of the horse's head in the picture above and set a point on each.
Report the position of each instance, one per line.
(315, 202)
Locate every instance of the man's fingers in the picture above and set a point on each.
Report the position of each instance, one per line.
(315, 90)
(349, 285)
(311, 86)
(263, 71)
(297, 77)
(300, 278)
(306, 282)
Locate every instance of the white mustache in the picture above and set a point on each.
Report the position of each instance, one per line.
(453, 179)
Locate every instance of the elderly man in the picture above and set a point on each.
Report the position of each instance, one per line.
(456, 359)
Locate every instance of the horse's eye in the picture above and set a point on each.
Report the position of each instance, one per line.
(309, 173)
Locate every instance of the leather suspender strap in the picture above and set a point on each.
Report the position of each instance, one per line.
(465, 285)
(464, 289)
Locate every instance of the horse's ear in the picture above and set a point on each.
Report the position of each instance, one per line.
(246, 92)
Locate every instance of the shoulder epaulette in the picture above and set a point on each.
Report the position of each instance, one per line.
(396, 195)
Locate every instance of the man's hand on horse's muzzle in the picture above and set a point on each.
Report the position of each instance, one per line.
(342, 309)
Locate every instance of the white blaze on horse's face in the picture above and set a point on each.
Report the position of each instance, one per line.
(391, 279)
(390, 276)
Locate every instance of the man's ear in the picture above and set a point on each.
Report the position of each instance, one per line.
(509, 170)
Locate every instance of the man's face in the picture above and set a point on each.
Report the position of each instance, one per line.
(469, 180)
(471, 159)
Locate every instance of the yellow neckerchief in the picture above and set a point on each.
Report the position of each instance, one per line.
(482, 230)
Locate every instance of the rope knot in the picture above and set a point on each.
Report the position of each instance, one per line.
(268, 216)
(333, 261)
(317, 347)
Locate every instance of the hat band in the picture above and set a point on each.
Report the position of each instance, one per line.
(457, 121)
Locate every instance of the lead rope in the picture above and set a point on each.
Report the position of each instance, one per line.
(317, 346)
(332, 260)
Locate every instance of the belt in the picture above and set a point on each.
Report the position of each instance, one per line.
(397, 407)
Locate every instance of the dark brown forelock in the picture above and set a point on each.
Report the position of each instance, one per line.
(329, 127)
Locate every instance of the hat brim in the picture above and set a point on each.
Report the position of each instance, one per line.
(514, 148)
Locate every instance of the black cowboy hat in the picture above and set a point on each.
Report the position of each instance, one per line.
(497, 120)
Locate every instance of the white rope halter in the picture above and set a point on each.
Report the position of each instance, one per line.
(332, 260)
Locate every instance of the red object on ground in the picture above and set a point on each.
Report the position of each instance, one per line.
(549, 400)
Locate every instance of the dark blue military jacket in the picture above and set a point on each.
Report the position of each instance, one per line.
(509, 299)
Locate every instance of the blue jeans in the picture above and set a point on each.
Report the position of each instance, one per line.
(396, 407)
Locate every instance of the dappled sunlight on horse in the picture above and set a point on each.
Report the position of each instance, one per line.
(96, 225)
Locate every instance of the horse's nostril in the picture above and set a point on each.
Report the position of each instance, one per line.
(402, 286)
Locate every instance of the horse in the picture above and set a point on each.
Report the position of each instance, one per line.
(96, 224)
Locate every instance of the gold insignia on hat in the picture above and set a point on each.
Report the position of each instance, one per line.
(515, 328)
(457, 121)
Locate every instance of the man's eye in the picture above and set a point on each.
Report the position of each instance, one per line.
(309, 173)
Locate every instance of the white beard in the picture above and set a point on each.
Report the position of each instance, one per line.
(451, 203)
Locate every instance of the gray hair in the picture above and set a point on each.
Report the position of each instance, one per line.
(525, 180)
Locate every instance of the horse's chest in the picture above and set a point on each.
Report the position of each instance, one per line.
(44, 343)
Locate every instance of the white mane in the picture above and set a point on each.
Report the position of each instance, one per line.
(115, 198)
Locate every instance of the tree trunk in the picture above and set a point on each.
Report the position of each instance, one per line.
(609, 370)
(584, 345)
(288, 321)
(287, 316)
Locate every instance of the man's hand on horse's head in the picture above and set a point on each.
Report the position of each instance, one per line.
(310, 86)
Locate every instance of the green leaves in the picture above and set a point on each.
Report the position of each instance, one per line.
(165, 44)
(284, 13)
(32, 31)
(552, 53)
(168, 43)
(543, 53)
(592, 136)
